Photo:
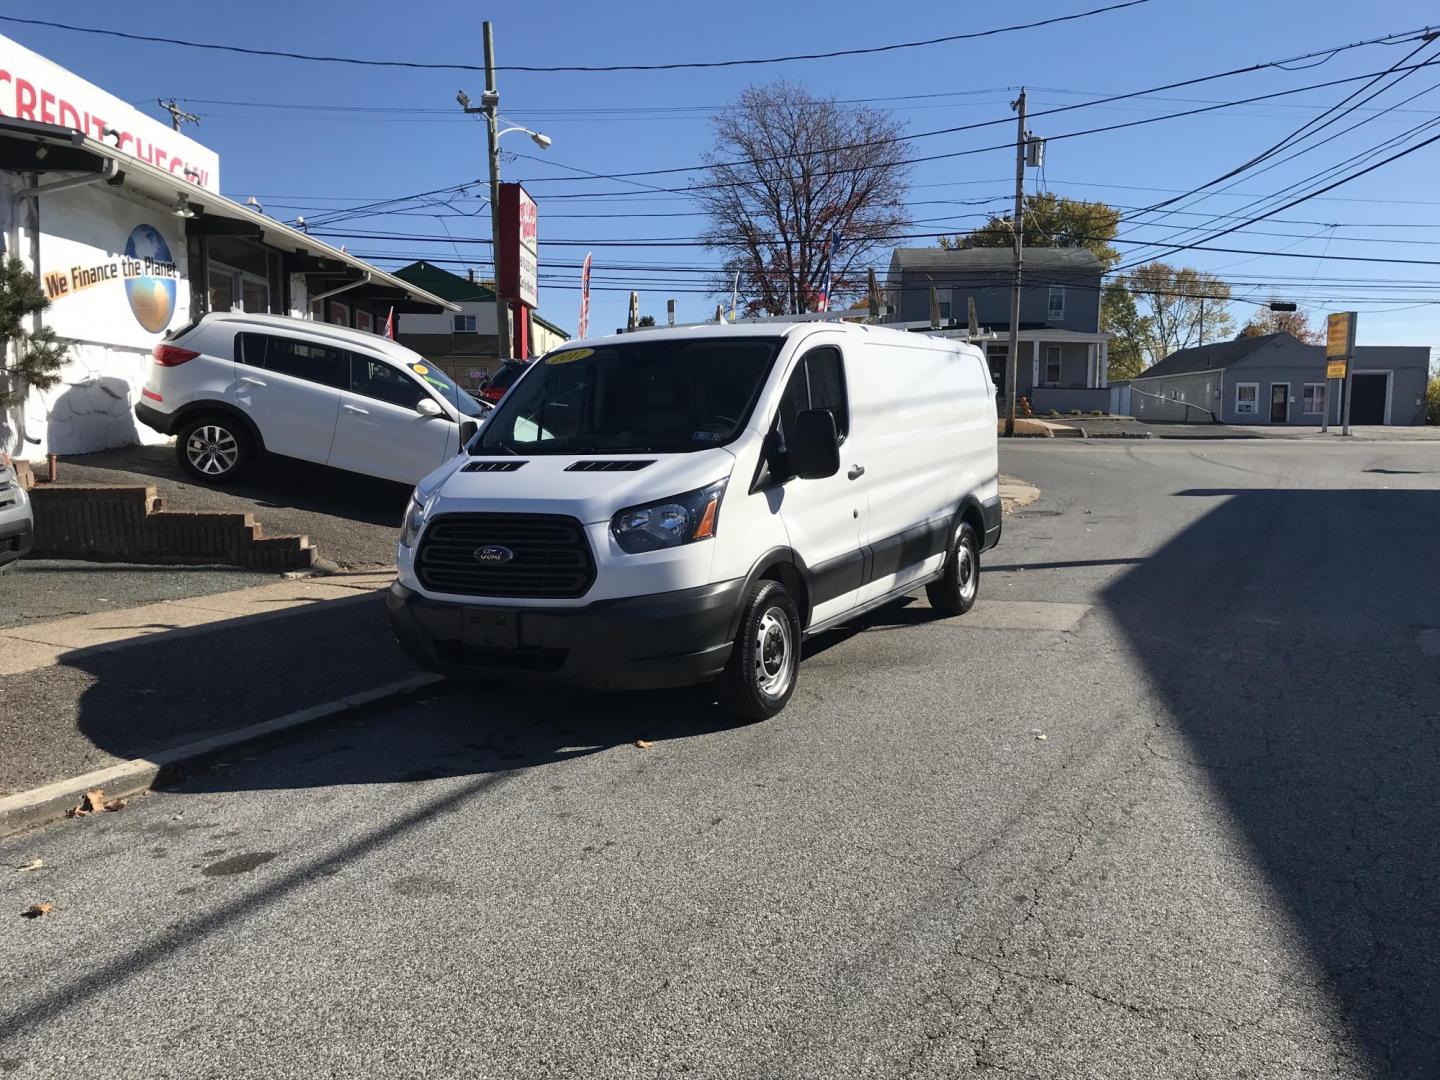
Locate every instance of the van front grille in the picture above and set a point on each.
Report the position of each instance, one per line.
(549, 556)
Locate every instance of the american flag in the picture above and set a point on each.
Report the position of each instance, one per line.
(390, 325)
(827, 256)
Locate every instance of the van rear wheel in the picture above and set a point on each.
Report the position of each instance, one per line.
(955, 591)
(760, 676)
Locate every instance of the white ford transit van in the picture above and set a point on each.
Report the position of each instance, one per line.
(678, 506)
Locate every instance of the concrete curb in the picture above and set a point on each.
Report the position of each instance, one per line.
(27, 809)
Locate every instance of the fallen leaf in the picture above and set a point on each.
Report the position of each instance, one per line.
(34, 911)
(94, 800)
(116, 804)
(643, 744)
(33, 864)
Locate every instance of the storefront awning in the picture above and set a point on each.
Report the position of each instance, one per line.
(29, 146)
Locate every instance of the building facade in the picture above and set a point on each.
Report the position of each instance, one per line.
(462, 342)
(1063, 359)
(1277, 379)
(121, 220)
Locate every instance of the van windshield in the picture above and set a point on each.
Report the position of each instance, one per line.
(632, 397)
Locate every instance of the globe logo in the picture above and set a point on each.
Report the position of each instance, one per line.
(150, 276)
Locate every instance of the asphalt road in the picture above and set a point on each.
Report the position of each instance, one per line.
(1167, 804)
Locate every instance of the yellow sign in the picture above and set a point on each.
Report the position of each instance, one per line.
(1335, 369)
(569, 356)
(1340, 335)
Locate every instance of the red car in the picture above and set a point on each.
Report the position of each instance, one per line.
(495, 386)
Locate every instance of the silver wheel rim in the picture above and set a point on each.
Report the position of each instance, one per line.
(774, 654)
(967, 577)
(212, 450)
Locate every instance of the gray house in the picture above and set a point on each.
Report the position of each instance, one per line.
(1063, 356)
(1276, 379)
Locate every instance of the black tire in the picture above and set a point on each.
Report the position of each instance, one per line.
(213, 449)
(760, 676)
(955, 591)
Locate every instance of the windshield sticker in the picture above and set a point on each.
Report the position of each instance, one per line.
(706, 436)
(569, 356)
(420, 369)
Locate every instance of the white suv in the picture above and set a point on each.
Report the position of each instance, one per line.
(235, 385)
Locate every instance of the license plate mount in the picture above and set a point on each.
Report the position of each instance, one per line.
(492, 630)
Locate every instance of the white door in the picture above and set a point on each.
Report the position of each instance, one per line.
(380, 433)
(291, 389)
(826, 518)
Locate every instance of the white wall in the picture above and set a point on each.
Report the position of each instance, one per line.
(444, 323)
(110, 324)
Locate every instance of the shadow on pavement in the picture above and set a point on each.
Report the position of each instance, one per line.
(1282, 628)
(268, 483)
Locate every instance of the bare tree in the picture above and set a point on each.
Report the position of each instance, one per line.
(791, 170)
(1183, 307)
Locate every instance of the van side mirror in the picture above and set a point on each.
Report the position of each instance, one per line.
(815, 448)
(429, 408)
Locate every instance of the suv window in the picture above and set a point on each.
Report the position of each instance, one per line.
(377, 379)
(818, 382)
(300, 359)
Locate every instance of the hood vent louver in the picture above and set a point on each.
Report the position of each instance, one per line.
(502, 465)
(608, 466)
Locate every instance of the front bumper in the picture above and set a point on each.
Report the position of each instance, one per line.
(16, 540)
(640, 642)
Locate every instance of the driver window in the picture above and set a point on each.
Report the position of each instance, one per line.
(818, 382)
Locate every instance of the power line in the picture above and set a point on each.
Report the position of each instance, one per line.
(587, 68)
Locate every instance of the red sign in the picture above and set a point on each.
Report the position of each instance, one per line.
(517, 264)
(584, 327)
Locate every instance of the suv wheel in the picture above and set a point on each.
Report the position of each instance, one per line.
(213, 449)
(760, 677)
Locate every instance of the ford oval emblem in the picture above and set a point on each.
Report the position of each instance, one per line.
(494, 554)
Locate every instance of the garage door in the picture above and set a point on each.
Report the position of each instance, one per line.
(1368, 404)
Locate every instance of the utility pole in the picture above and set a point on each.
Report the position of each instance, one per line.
(1011, 361)
(178, 115)
(1202, 320)
(490, 106)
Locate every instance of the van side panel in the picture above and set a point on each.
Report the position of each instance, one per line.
(906, 414)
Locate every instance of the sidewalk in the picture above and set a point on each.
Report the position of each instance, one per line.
(84, 693)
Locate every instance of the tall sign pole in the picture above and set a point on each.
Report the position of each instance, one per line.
(1340, 359)
(490, 106)
(584, 328)
(1011, 361)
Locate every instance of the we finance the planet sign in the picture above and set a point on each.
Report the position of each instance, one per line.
(145, 269)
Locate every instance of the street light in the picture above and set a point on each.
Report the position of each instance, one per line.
(489, 107)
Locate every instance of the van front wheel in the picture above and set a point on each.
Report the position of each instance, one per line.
(955, 591)
(760, 676)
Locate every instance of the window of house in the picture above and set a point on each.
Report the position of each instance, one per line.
(339, 314)
(1052, 364)
(365, 321)
(997, 355)
(235, 290)
(1057, 302)
(942, 300)
(464, 324)
(1247, 394)
(1315, 398)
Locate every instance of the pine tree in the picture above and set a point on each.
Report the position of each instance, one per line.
(29, 359)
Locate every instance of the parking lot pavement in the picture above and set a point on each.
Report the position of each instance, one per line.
(1167, 807)
(352, 520)
(39, 589)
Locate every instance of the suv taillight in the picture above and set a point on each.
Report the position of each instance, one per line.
(172, 355)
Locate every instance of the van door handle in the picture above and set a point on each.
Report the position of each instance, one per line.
(252, 382)
(356, 410)
(856, 471)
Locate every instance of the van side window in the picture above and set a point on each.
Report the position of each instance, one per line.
(298, 359)
(377, 379)
(827, 385)
(818, 382)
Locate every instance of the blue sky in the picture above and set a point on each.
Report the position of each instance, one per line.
(307, 160)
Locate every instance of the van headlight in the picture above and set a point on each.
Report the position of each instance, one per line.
(413, 520)
(682, 519)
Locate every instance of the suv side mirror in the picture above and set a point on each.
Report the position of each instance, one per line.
(815, 448)
(429, 408)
